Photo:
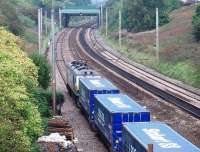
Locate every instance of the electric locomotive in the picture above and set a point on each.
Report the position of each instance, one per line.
(78, 69)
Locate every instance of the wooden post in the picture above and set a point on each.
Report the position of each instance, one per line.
(150, 147)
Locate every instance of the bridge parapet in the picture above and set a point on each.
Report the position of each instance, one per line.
(79, 11)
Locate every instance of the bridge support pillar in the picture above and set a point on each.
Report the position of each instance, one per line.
(98, 21)
(66, 20)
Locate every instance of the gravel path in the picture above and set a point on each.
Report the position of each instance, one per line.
(88, 141)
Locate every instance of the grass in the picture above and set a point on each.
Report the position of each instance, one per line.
(179, 53)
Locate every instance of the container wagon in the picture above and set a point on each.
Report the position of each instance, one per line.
(136, 137)
(111, 111)
(77, 69)
(90, 87)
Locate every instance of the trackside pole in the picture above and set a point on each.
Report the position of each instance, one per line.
(46, 22)
(53, 64)
(157, 35)
(120, 29)
(101, 16)
(106, 21)
(39, 31)
(41, 22)
(99, 19)
(60, 18)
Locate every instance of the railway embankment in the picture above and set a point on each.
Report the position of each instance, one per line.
(179, 52)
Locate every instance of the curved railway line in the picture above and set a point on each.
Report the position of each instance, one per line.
(82, 45)
(183, 98)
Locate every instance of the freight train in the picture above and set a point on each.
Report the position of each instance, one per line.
(124, 125)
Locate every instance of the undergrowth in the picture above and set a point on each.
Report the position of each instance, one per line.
(184, 71)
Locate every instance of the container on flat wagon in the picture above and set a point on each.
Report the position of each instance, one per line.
(91, 86)
(137, 136)
(111, 111)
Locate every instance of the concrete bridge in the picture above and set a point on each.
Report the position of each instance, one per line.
(65, 13)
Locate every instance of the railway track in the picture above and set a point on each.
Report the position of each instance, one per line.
(61, 57)
(60, 60)
(184, 99)
(66, 51)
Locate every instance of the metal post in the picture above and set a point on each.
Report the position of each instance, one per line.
(39, 32)
(41, 27)
(101, 15)
(99, 19)
(52, 4)
(60, 18)
(106, 21)
(46, 22)
(53, 64)
(157, 35)
(122, 4)
(150, 147)
(41, 22)
(120, 29)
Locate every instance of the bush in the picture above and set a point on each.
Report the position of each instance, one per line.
(59, 97)
(196, 24)
(20, 120)
(146, 18)
(27, 21)
(140, 15)
(12, 139)
(42, 100)
(44, 70)
(31, 37)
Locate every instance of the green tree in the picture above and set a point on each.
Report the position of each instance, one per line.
(44, 69)
(140, 14)
(20, 120)
(196, 24)
(9, 18)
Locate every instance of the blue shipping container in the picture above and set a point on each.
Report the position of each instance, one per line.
(110, 111)
(91, 86)
(137, 136)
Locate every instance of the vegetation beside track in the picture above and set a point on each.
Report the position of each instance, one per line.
(139, 15)
(25, 98)
(196, 24)
(20, 18)
(44, 69)
(25, 107)
(179, 52)
(20, 119)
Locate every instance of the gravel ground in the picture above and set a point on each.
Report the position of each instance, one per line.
(88, 141)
